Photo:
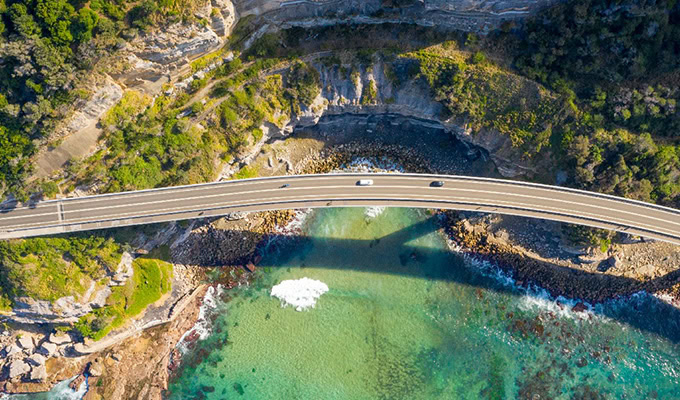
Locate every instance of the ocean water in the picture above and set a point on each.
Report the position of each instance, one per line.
(404, 317)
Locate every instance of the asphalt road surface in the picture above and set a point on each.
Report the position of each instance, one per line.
(341, 190)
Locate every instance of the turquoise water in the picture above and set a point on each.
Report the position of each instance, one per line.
(405, 318)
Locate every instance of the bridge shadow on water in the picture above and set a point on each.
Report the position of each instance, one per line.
(400, 253)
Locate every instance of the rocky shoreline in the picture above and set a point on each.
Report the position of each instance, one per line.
(234, 243)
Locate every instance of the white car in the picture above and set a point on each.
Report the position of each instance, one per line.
(365, 182)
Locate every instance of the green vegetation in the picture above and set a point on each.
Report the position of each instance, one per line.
(483, 95)
(303, 83)
(370, 93)
(50, 268)
(47, 46)
(150, 281)
(246, 172)
(616, 72)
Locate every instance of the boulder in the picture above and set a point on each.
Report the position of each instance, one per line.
(99, 299)
(17, 367)
(26, 342)
(47, 349)
(38, 374)
(96, 368)
(11, 350)
(59, 338)
(36, 360)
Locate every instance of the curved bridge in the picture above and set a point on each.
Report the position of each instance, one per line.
(341, 190)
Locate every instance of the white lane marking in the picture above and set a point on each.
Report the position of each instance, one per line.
(446, 204)
(587, 196)
(606, 207)
(501, 203)
(391, 175)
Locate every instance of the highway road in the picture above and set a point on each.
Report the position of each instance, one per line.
(341, 190)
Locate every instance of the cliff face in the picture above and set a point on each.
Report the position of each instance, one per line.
(468, 15)
(354, 95)
(368, 91)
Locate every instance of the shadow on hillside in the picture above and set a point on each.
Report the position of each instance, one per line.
(400, 253)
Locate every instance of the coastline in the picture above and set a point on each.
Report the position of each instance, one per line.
(209, 244)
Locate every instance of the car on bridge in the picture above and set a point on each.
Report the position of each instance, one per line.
(365, 182)
(437, 184)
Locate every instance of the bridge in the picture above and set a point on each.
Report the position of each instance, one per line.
(341, 190)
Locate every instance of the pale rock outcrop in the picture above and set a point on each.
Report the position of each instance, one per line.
(124, 270)
(223, 21)
(38, 373)
(26, 343)
(47, 349)
(59, 338)
(100, 296)
(10, 350)
(17, 368)
(62, 310)
(104, 97)
(177, 42)
(36, 360)
(468, 15)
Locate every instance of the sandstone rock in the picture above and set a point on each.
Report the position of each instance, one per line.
(124, 270)
(47, 349)
(17, 367)
(62, 310)
(96, 368)
(178, 42)
(36, 360)
(59, 338)
(38, 373)
(26, 342)
(99, 298)
(11, 350)
(102, 99)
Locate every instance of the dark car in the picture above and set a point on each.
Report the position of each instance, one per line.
(437, 184)
(285, 185)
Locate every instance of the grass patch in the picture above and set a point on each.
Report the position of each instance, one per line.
(246, 173)
(152, 278)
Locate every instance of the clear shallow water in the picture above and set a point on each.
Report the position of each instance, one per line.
(407, 319)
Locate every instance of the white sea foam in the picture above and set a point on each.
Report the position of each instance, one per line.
(295, 225)
(203, 325)
(372, 212)
(361, 164)
(299, 293)
(534, 297)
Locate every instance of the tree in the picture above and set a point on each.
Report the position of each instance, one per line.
(84, 25)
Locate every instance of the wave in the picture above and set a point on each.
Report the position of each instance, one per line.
(373, 212)
(299, 293)
(60, 391)
(203, 326)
